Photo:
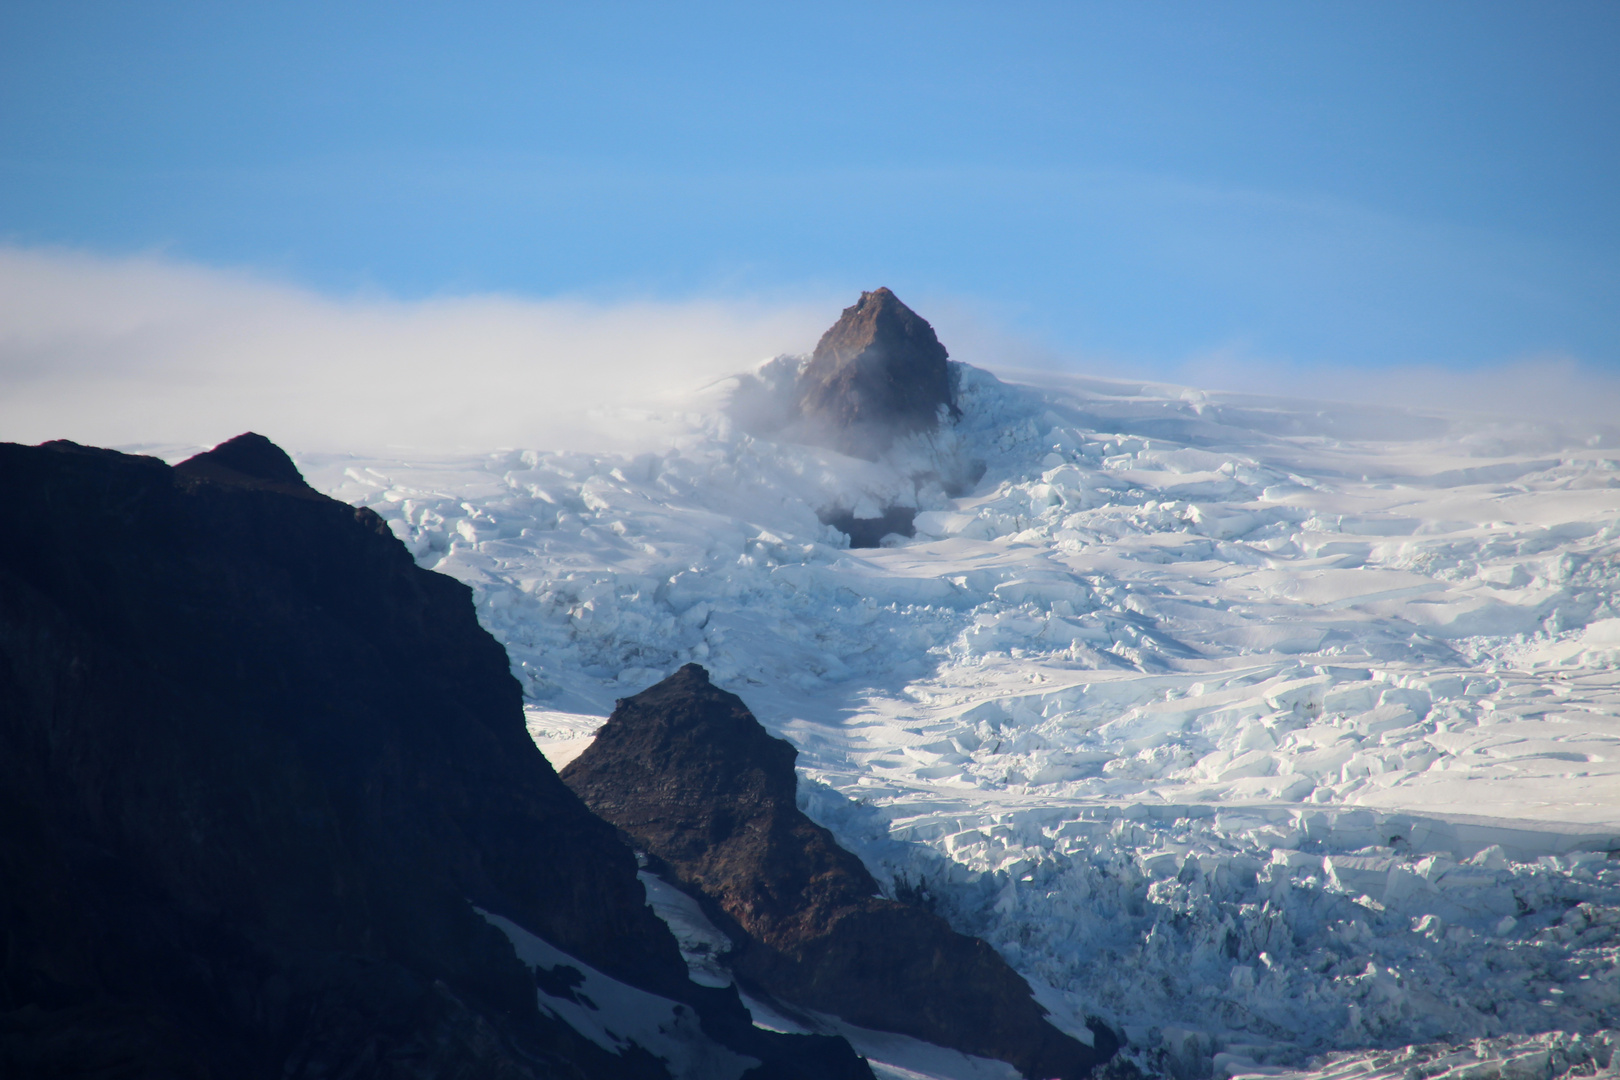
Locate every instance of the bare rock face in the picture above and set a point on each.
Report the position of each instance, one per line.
(692, 778)
(878, 373)
(249, 458)
(256, 766)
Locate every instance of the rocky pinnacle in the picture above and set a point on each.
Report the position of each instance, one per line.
(878, 373)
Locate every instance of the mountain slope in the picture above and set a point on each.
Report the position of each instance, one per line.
(691, 777)
(266, 797)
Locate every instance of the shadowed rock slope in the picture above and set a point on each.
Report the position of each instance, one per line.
(255, 768)
(692, 778)
(879, 372)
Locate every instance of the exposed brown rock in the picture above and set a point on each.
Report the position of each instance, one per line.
(878, 373)
(255, 768)
(688, 773)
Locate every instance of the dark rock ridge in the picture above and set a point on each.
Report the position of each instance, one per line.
(879, 372)
(255, 768)
(687, 772)
(249, 458)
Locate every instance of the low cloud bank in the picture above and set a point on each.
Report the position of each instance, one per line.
(1546, 387)
(152, 351)
(147, 350)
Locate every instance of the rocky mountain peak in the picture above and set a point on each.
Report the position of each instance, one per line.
(685, 769)
(249, 456)
(692, 778)
(877, 373)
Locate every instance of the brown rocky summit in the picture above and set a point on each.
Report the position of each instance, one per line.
(688, 773)
(878, 373)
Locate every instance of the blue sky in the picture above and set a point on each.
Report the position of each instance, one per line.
(1147, 187)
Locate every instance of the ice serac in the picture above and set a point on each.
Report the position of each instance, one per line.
(688, 773)
(878, 373)
(256, 770)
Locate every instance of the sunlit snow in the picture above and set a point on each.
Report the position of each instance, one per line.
(1279, 735)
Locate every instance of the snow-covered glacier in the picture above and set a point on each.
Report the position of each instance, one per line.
(1283, 736)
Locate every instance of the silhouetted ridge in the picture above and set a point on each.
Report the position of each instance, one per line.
(685, 770)
(256, 766)
(248, 455)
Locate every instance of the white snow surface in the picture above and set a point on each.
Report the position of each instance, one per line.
(617, 1016)
(892, 1056)
(1280, 736)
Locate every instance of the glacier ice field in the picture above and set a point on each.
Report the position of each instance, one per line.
(1282, 736)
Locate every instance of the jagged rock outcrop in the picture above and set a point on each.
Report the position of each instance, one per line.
(879, 372)
(256, 767)
(690, 776)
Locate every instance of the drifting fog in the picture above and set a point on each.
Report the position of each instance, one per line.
(124, 351)
(149, 351)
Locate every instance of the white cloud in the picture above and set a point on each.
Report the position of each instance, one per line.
(119, 351)
(1545, 387)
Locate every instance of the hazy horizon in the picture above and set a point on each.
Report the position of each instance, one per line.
(152, 350)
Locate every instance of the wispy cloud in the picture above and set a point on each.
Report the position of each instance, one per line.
(118, 351)
(1542, 387)
(150, 350)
